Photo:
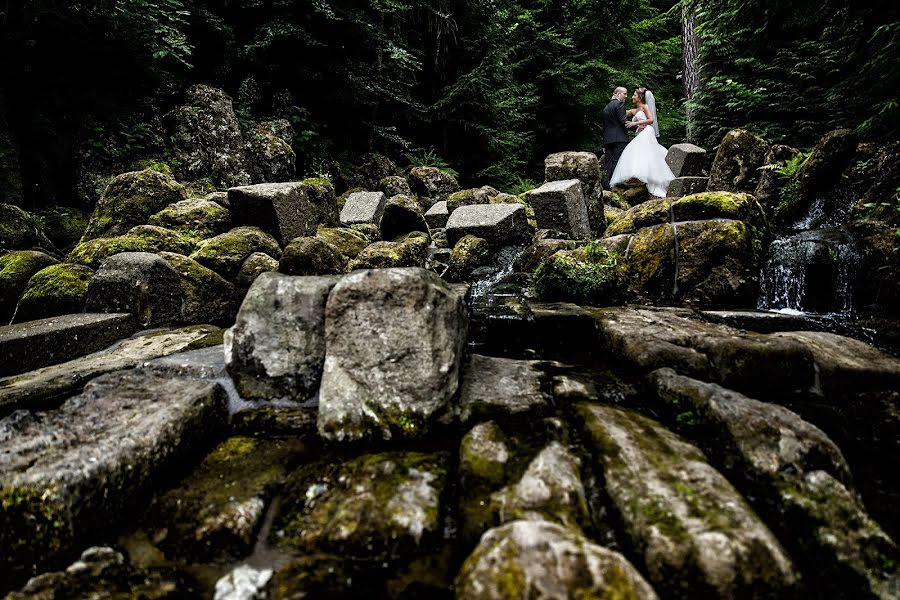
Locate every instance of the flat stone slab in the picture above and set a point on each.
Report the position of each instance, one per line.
(561, 206)
(42, 386)
(68, 475)
(757, 320)
(500, 387)
(685, 186)
(499, 224)
(285, 210)
(363, 207)
(686, 160)
(692, 529)
(35, 344)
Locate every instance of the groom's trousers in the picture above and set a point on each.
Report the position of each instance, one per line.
(611, 154)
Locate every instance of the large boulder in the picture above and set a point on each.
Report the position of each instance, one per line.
(63, 225)
(131, 199)
(68, 489)
(402, 214)
(311, 256)
(225, 253)
(583, 166)
(20, 230)
(691, 528)
(16, 268)
(346, 241)
(468, 254)
(55, 290)
(394, 185)
(284, 210)
(737, 162)
(253, 266)
(432, 183)
(537, 559)
(684, 186)
(208, 298)
(686, 160)
(586, 275)
(277, 345)
(144, 238)
(363, 207)
(768, 190)
(207, 138)
(139, 283)
(499, 224)
(270, 157)
(560, 205)
(196, 218)
(409, 251)
(391, 368)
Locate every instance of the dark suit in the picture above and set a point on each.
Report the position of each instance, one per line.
(615, 137)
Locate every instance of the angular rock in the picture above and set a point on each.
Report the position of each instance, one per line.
(373, 506)
(270, 157)
(215, 512)
(28, 346)
(20, 230)
(583, 166)
(253, 266)
(363, 207)
(373, 168)
(225, 253)
(92, 253)
(16, 269)
(67, 475)
(436, 216)
(737, 162)
(550, 489)
(695, 533)
(537, 559)
(55, 290)
(409, 251)
(284, 210)
(432, 183)
(685, 186)
(391, 367)
(140, 283)
(499, 224)
(402, 214)
(207, 138)
(686, 160)
(500, 387)
(311, 256)
(467, 198)
(827, 162)
(131, 199)
(484, 453)
(394, 185)
(195, 217)
(277, 345)
(208, 298)
(35, 389)
(560, 205)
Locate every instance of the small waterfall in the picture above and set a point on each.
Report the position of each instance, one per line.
(675, 236)
(503, 267)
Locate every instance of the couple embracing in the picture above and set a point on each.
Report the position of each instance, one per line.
(643, 158)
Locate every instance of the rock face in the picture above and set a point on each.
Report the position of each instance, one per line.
(686, 160)
(363, 207)
(16, 268)
(394, 185)
(29, 346)
(537, 559)
(311, 256)
(375, 505)
(284, 210)
(394, 344)
(696, 534)
(131, 199)
(768, 191)
(68, 474)
(583, 166)
(56, 290)
(495, 386)
(560, 205)
(208, 138)
(277, 345)
(208, 298)
(499, 224)
(685, 186)
(270, 157)
(737, 162)
(140, 283)
(468, 254)
(579, 275)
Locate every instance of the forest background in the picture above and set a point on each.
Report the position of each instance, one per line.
(486, 88)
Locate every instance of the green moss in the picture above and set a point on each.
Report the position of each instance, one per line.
(140, 239)
(195, 219)
(408, 252)
(20, 230)
(225, 253)
(321, 181)
(33, 526)
(55, 290)
(348, 242)
(64, 226)
(578, 276)
(153, 165)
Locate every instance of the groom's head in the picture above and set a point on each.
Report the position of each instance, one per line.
(620, 93)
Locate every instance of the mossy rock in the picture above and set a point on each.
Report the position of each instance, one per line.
(721, 205)
(586, 275)
(345, 240)
(311, 256)
(55, 290)
(649, 270)
(394, 185)
(225, 253)
(651, 212)
(615, 199)
(16, 268)
(402, 215)
(321, 576)
(408, 252)
(369, 230)
(737, 162)
(166, 239)
(208, 298)
(194, 218)
(143, 239)
(131, 199)
(255, 265)
(467, 198)
(432, 182)
(63, 225)
(469, 253)
(20, 230)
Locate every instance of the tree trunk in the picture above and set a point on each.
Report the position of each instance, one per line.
(690, 62)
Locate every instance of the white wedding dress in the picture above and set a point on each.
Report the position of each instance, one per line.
(644, 158)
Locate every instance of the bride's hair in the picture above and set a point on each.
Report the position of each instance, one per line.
(642, 93)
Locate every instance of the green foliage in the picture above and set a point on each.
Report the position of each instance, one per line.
(584, 276)
(430, 158)
(521, 186)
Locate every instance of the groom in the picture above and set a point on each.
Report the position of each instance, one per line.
(615, 136)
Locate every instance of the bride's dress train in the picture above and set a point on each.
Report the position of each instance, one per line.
(645, 159)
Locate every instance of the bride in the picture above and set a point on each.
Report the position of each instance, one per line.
(644, 158)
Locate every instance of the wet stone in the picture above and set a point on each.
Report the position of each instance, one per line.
(495, 387)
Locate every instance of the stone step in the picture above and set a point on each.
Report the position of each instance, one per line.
(68, 475)
(35, 344)
(39, 388)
